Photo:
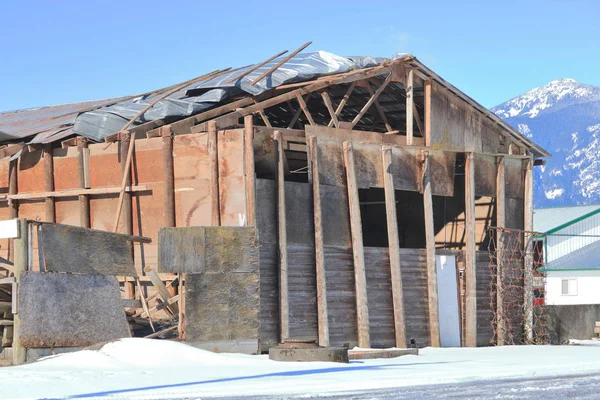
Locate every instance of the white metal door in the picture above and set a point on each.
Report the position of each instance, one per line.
(448, 301)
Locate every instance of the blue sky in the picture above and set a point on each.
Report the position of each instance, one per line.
(62, 51)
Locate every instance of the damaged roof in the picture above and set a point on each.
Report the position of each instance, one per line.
(98, 119)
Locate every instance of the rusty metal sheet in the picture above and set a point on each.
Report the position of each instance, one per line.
(514, 177)
(485, 175)
(64, 310)
(86, 251)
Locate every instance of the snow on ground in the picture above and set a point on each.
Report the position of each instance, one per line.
(154, 369)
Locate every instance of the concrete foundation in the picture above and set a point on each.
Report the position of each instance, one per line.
(380, 353)
(330, 354)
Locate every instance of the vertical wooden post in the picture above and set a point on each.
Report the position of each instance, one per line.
(20, 265)
(409, 106)
(84, 199)
(249, 171)
(322, 312)
(528, 248)
(432, 290)
(500, 223)
(427, 116)
(282, 241)
(213, 154)
(126, 210)
(394, 247)
(169, 176)
(49, 182)
(360, 278)
(470, 255)
(13, 205)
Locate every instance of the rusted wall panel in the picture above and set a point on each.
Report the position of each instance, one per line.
(64, 310)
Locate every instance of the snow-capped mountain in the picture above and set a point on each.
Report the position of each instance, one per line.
(564, 118)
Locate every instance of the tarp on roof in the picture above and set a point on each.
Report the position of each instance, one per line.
(547, 219)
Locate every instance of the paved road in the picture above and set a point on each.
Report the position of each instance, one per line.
(578, 386)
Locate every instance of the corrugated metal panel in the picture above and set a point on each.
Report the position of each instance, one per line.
(587, 257)
(546, 219)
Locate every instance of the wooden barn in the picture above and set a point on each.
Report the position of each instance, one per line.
(371, 184)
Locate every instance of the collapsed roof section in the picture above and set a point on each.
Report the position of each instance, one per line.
(305, 74)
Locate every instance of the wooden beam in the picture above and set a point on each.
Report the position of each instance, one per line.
(409, 106)
(343, 102)
(265, 119)
(282, 240)
(305, 109)
(371, 101)
(13, 205)
(160, 287)
(360, 278)
(501, 223)
(380, 109)
(298, 111)
(427, 116)
(254, 68)
(168, 176)
(84, 200)
(322, 312)
(329, 105)
(49, 182)
(21, 245)
(127, 207)
(280, 63)
(432, 293)
(394, 247)
(213, 154)
(249, 172)
(72, 193)
(418, 120)
(528, 250)
(470, 255)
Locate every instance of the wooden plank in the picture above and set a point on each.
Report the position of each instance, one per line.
(124, 206)
(282, 240)
(249, 171)
(255, 67)
(280, 63)
(470, 255)
(427, 113)
(160, 287)
(394, 247)
(181, 250)
(168, 176)
(214, 172)
(362, 309)
(304, 108)
(434, 320)
(21, 260)
(86, 251)
(84, 200)
(500, 222)
(74, 193)
(329, 105)
(528, 249)
(49, 182)
(371, 100)
(322, 313)
(13, 205)
(343, 102)
(409, 106)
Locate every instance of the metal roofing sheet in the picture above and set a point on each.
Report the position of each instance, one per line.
(546, 219)
(587, 257)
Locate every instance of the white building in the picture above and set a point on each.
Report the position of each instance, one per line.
(571, 251)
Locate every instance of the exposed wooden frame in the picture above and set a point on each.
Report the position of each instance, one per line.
(280, 63)
(265, 119)
(528, 249)
(409, 82)
(370, 102)
(418, 120)
(394, 247)
(501, 223)
(84, 200)
(379, 109)
(305, 109)
(72, 193)
(322, 311)
(284, 316)
(329, 105)
(298, 111)
(13, 205)
(168, 176)
(49, 182)
(250, 176)
(360, 278)
(427, 113)
(21, 261)
(343, 102)
(213, 155)
(432, 294)
(470, 254)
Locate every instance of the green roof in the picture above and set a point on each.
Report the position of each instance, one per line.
(553, 219)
